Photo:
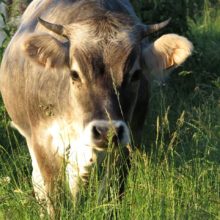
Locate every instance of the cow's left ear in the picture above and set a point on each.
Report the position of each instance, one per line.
(45, 50)
(168, 51)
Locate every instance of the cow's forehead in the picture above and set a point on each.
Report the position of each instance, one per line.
(110, 61)
(103, 27)
(86, 35)
(102, 45)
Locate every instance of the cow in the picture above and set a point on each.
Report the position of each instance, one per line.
(76, 71)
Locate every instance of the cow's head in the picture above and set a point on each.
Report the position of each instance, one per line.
(104, 58)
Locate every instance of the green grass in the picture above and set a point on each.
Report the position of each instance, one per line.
(178, 177)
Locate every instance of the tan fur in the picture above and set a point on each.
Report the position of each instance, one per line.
(45, 50)
(168, 51)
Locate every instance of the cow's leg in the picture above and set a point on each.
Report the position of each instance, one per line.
(40, 190)
(78, 168)
(45, 176)
(41, 178)
(74, 181)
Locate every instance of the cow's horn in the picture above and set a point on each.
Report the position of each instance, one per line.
(149, 29)
(56, 28)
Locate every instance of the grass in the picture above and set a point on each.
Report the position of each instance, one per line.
(179, 175)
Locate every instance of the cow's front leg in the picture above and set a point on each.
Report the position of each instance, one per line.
(76, 179)
(46, 177)
(79, 164)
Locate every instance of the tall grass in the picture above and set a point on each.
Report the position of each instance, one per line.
(177, 177)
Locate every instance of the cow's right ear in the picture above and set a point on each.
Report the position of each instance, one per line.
(45, 50)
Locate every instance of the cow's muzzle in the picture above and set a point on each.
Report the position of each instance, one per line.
(100, 133)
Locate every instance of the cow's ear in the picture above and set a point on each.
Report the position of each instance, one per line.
(168, 51)
(45, 50)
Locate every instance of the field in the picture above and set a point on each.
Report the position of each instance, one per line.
(176, 176)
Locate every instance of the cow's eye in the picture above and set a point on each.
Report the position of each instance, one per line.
(74, 75)
(136, 76)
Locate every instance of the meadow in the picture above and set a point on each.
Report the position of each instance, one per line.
(176, 175)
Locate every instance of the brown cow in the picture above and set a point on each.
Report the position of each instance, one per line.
(76, 71)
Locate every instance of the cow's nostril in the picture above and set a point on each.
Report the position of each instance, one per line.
(120, 132)
(96, 133)
(99, 132)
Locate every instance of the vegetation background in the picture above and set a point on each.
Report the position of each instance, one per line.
(177, 176)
